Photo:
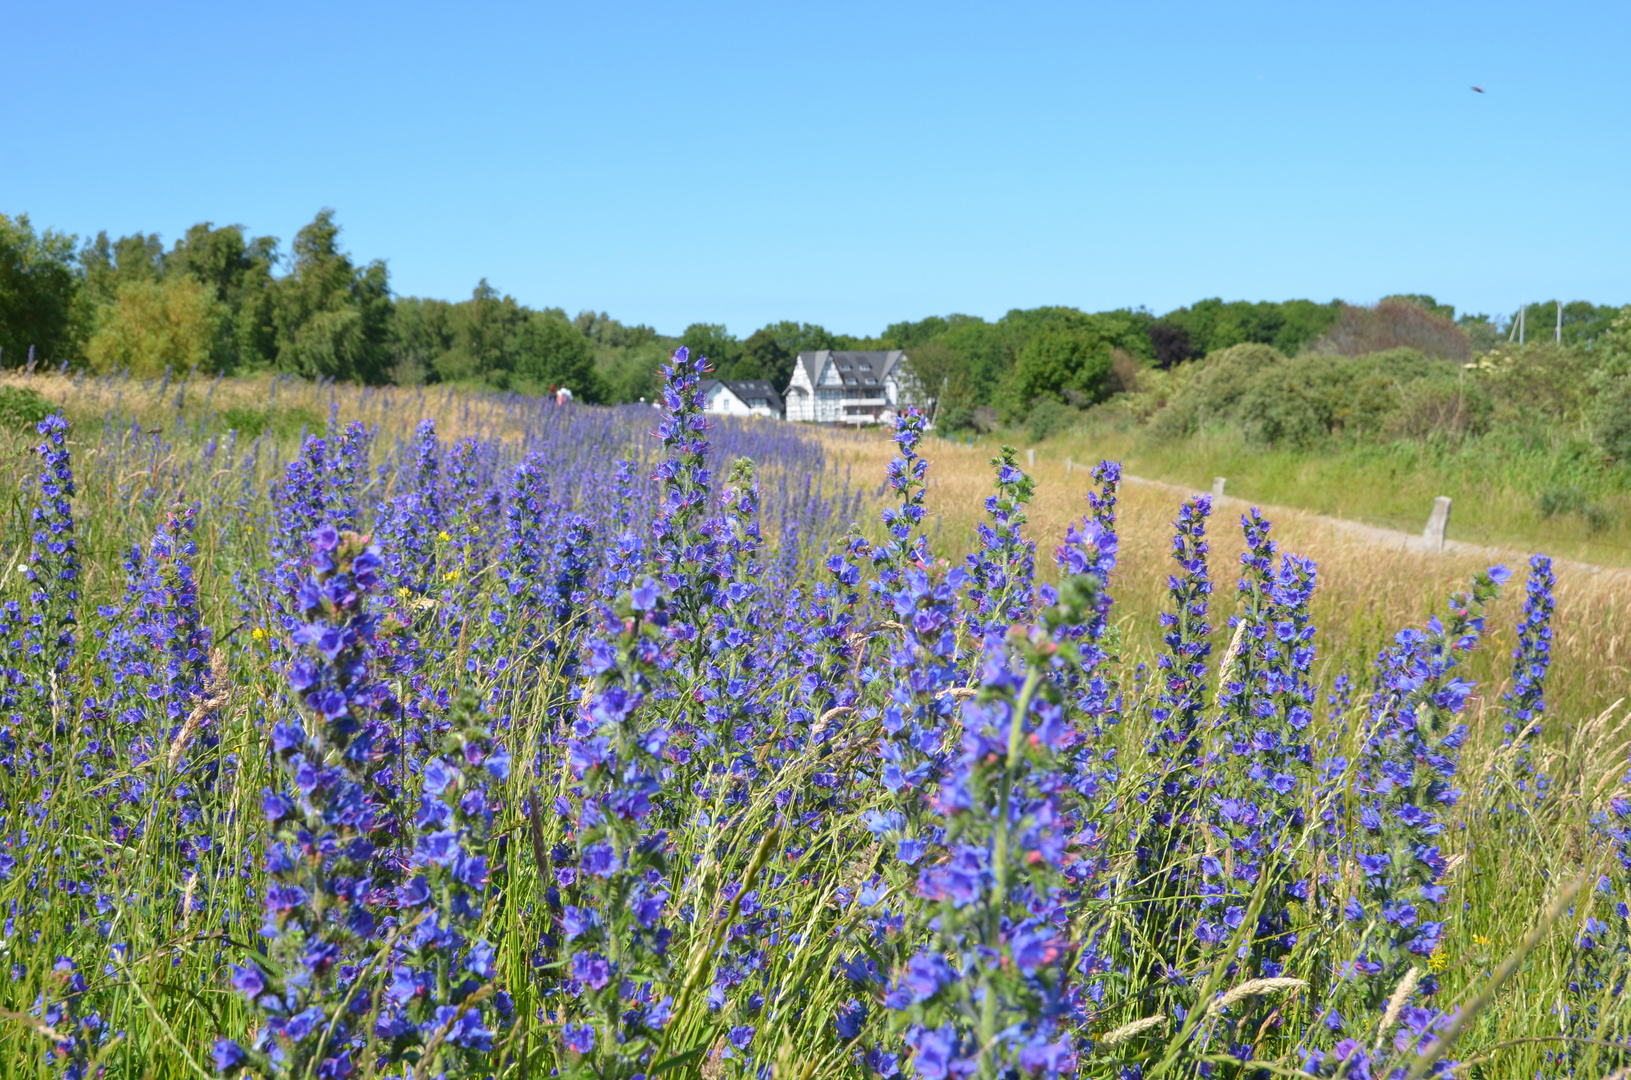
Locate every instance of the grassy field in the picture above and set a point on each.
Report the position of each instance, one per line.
(1501, 493)
(775, 872)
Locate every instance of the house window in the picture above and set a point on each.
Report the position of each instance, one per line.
(849, 382)
(866, 367)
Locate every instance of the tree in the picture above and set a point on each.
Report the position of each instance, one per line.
(485, 330)
(332, 318)
(421, 332)
(38, 293)
(152, 326)
(551, 353)
(713, 341)
(764, 357)
(1171, 344)
(239, 275)
(942, 375)
(107, 264)
(1289, 326)
(1070, 361)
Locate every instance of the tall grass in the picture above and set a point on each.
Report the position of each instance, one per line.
(1507, 492)
(781, 884)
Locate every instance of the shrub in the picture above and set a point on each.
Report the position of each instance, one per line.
(284, 420)
(1215, 388)
(1538, 385)
(1395, 323)
(1303, 401)
(955, 417)
(21, 407)
(1612, 380)
(1613, 430)
(1556, 502)
(1435, 408)
(1049, 418)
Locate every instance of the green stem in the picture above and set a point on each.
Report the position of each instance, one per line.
(999, 869)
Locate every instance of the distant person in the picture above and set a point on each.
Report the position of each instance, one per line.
(563, 396)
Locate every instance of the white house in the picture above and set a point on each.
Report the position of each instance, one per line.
(833, 387)
(741, 397)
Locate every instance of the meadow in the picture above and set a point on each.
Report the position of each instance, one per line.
(423, 733)
(1506, 494)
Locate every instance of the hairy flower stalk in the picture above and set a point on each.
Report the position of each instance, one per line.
(614, 896)
(733, 675)
(53, 568)
(1258, 819)
(1002, 573)
(1000, 905)
(1409, 766)
(907, 478)
(444, 1005)
(1164, 867)
(685, 544)
(1526, 699)
(320, 973)
(179, 691)
(1101, 685)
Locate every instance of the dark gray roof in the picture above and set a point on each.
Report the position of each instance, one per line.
(881, 364)
(748, 390)
(751, 390)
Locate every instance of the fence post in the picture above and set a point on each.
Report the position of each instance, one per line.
(1437, 523)
(1030, 458)
(1068, 466)
(1217, 487)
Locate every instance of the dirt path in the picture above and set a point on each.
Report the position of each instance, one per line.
(1398, 541)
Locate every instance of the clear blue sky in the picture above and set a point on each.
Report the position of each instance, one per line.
(854, 165)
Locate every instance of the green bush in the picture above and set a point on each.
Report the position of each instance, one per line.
(21, 407)
(284, 421)
(1305, 401)
(955, 417)
(1214, 389)
(1050, 418)
(1555, 502)
(1613, 429)
(248, 423)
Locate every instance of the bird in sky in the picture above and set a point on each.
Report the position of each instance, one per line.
(1480, 89)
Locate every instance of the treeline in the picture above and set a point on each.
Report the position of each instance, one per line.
(220, 300)
(1061, 358)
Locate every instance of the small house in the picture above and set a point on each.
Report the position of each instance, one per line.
(741, 397)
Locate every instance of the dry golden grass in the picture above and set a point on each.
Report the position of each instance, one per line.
(1366, 592)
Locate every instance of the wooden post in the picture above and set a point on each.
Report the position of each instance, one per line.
(1068, 466)
(1437, 523)
(1217, 487)
(1030, 458)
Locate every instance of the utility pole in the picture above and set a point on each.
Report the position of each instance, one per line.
(1559, 338)
(1522, 311)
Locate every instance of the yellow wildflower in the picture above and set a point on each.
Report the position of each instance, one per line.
(442, 536)
(1437, 961)
(257, 633)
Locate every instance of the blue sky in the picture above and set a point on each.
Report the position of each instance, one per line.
(854, 164)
